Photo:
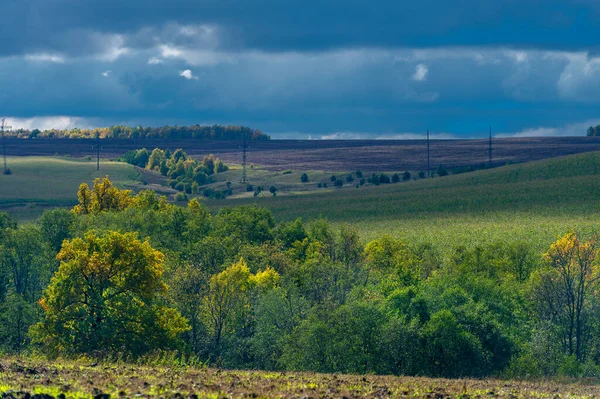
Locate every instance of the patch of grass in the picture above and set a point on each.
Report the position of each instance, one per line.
(40, 182)
(532, 202)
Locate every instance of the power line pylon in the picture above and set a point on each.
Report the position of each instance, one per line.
(490, 148)
(244, 179)
(2, 127)
(428, 158)
(97, 148)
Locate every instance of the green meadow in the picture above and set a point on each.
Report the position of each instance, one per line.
(532, 202)
(37, 183)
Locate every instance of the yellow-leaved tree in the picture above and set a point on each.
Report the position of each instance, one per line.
(565, 290)
(103, 196)
(106, 297)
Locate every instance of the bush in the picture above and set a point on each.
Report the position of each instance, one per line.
(395, 178)
(421, 174)
(319, 185)
(358, 173)
(249, 188)
(384, 179)
(8, 171)
(286, 172)
(181, 197)
(333, 178)
(441, 170)
(349, 178)
(361, 181)
(273, 190)
(406, 175)
(338, 183)
(304, 178)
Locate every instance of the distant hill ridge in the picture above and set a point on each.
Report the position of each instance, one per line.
(215, 132)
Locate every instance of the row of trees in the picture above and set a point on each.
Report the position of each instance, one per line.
(215, 132)
(128, 274)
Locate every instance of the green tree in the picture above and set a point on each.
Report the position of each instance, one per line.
(106, 297)
(304, 178)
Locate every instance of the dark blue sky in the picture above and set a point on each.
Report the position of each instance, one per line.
(311, 68)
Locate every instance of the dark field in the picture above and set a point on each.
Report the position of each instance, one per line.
(80, 380)
(331, 155)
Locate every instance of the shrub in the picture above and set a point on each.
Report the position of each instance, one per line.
(286, 172)
(249, 188)
(333, 178)
(8, 171)
(358, 173)
(441, 170)
(384, 179)
(406, 175)
(304, 178)
(273, 190)
(362, 181)
(395, 178)
(349, 178)
(319, 185)
(338, 183)
(421, 174)
(180, 197)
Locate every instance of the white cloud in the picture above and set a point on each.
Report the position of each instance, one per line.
(188, 74)
(45, 57)
(48, 122)
(421, 72)
(106, 73)
(114, 47)
(574, 129)
(154, 61)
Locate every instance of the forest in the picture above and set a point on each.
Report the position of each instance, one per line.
(123, 275)
(215, 132)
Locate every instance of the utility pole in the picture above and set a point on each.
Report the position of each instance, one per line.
(97, 151)
(490, 148)
(2, 127)
(244, 179)
(428, 159)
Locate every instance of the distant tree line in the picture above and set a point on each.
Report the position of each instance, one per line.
(124, 275)
(215, 132)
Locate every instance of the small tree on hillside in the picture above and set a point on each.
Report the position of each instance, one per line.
(441, 170)
(304, 178)
(406, 175)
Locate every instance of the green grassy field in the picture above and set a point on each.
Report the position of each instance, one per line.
(66, 379)
(533, 202)
(37, 183)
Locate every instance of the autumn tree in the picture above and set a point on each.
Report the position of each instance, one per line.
(106, 297)
(564, 290)
(227, 303)
(103, 196)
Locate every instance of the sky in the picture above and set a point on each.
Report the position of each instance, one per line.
(305, 69)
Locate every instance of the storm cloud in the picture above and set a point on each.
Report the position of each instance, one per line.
(299, 69)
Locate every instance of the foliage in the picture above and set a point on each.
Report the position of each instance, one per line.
(215, 132)
(105, 297)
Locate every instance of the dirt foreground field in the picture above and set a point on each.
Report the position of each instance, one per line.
(43, 380)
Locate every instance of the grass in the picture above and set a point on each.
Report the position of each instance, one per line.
(40, 182)
(533, 202)
(83, 380)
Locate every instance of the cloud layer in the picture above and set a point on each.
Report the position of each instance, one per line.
(317, 68)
